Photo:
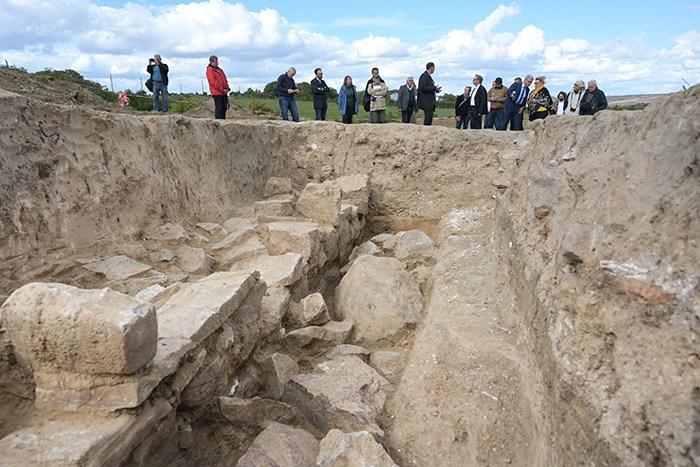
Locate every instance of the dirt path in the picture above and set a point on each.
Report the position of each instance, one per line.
(464, 398)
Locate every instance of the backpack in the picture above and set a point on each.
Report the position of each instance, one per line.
(366, 101)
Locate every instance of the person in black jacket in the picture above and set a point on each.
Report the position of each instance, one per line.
(286, 90)
(159, 76)
(593, 100)
(319, 89)
(462, 106)
(478, 103)
(426, 93)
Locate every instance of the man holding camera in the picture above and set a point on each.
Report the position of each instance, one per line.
(159, 76)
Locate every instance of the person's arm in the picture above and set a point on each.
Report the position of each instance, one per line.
(603, 101)
(502, 98)
(383, 90)
(457, 106)
(164, 66)
(224, 82)
(149, 69)
(281, 89)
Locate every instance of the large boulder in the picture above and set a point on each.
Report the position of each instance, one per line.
(355, 190)
(320, 202)
(347, 394)
(313, 310)
(84, 331)
(281, 445)
(354, 449)
(192, 260)
(380, 297)
(278, 206)
(117, 268)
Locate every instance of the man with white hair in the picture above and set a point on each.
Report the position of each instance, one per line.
(573, 99)
(159, 77)
(407, 100)
(286, 90)
(593, 100)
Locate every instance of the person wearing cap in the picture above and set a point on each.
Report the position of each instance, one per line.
(573, 99)
(497, 96)
(593, 99)
(407, 100)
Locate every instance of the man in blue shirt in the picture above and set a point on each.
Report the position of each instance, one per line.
(159, 75)
(515, 104)
(286, 90)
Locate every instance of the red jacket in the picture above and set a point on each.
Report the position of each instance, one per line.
(218, 84)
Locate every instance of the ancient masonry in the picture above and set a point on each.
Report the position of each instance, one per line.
(327, 295)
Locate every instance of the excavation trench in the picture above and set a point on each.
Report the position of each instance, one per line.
(466, 298)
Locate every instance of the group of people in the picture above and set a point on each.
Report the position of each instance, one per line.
(500, 107)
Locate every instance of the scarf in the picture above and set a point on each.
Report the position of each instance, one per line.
(574, 101)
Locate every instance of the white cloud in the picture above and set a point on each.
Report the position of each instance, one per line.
(256, 46)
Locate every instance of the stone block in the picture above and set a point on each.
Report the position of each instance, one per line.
(77, 330)
(320, 202)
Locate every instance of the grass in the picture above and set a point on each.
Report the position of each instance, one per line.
(306, 110)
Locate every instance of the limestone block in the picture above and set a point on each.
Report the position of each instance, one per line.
(77, 330)
(355, 189)
(320, 202)
(211, 228)
(237, 223)
(192, 260)
(294, 237)
(314, 310)
(348, 395)
(358, 448)
(346, 350)
(388, 363)
(277, 271)
(277, 369)
(281, 445)
(255, 411)
(278, 206)
(170, 232)
(412, 244)
(318, 339)
(277, 186)
(380, 297)
(366, 248)
(117, 268)
(274, 307)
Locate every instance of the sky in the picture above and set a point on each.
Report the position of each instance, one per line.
(630, 47)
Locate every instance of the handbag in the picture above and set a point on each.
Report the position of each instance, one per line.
(149, 84)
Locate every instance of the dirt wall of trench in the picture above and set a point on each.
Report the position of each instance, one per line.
(599, 246)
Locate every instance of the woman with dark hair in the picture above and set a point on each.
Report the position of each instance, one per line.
(462, 108)
(348, 103)
(561, 103)
(540, 101)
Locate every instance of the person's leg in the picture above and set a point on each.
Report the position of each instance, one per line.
(428, 117)
(382, 116)
(498, 118)
(506, 118)
(318, 113)
(218, 107)
(490, 119)
(475, 121)
(155, 101)
(164, 92)
(517, 123)
(284, 108)
(324, 113)
(373, 116)
(458, 124)
(295, 110)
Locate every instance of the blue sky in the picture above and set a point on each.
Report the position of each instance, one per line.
(630, 47)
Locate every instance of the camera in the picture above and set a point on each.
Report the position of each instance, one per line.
(374, 99)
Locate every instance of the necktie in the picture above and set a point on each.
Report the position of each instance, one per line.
(522, 95)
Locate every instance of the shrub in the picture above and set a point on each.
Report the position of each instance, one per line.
(259, 108)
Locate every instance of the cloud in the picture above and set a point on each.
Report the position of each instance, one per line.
(256, 46)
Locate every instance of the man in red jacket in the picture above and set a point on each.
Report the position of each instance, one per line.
(218, 87)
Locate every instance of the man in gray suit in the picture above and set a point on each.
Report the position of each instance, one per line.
(407, 100)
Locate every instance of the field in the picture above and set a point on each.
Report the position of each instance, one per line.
(306, 110)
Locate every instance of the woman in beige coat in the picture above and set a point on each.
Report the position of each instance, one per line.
(377, 107)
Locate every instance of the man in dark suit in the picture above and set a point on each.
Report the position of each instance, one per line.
(462, 109)
(593, 100)
(515, 104)
(407, 100)
(426, 93)
(478, 103)
(319, 89)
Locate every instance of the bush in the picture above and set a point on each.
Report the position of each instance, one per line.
(259, 108)
(181, 106)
